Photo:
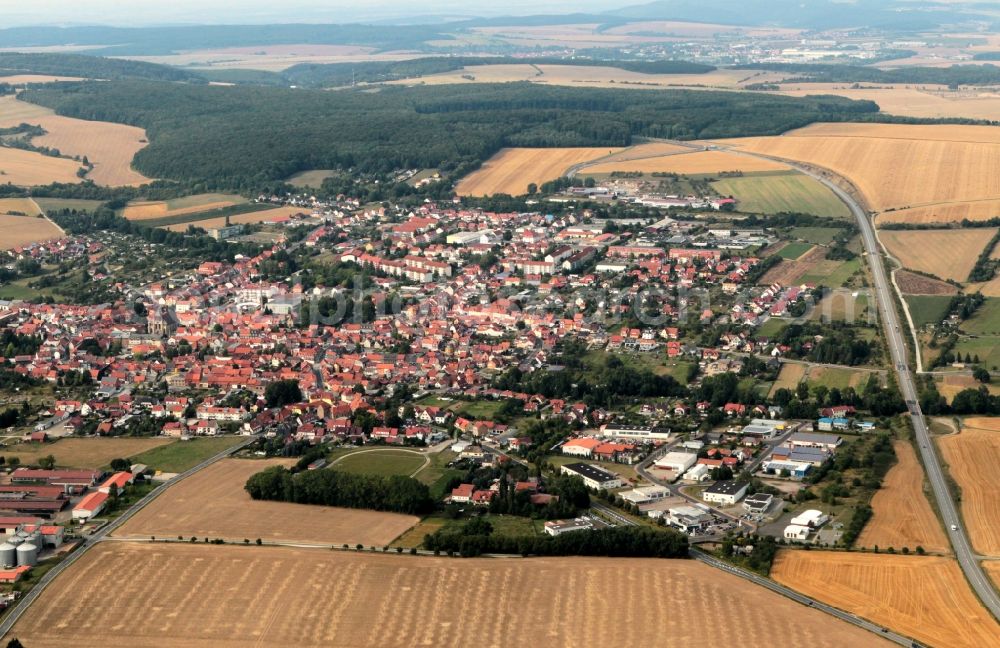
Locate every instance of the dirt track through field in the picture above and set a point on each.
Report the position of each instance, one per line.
(196, 596)
(214, 504)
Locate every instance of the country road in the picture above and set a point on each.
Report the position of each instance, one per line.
(959, 538)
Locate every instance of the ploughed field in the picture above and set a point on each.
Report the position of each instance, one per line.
(196, 596)
(212, 503)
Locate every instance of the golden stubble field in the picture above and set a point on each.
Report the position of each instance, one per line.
(17, 231)
(972, 457)
(511, 170)
(948, 254)
(197, 596)
(83, 453)
(902, 515)
(688, 163)
(897, 166)
(110, 147)
(212, 503)
(19, 206)
(924, 101)
(152, 210)
(30, 169)
(924, 597)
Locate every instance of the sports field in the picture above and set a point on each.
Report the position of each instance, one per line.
(83, 453)
(381, 462)
(924, 597)
(511, 170)
(902, 515)
(212, 503)
(774, 193)
(16, 231)
(972, 457)
(948, 254)
(201, 596)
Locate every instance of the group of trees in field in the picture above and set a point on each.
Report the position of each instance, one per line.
(834, 73)
(334, 488)
(240, 137)
(476, 538)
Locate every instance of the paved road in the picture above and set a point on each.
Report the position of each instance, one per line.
(102, 533)
(898, 351)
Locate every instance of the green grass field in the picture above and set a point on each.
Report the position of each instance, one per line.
(311, 178)
(184, 455)
(782, 192)
(478, 409)
(986, 320)
(835, 278)
(772, 327)
(928, 309)
(987, 348)
(793, 251)
(815, 235)
(382, 462)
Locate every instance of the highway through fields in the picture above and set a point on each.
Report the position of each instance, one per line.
(894, 337)
(102, 534)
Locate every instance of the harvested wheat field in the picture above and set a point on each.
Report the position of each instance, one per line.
(109, 147)
(694, 163)
(948, 254)
(19, 207)
(213, 503)
(924, 597)
(22, 79)
(83, 453)
(276, 215)
(197, 596)
(30, 169)
(926, 101)
(647, 150)
(902, 515)
(955, 212)
(511, 170)
(895, 165)
(152, 210)
(791, 374)
(972, 457)
(16, 231)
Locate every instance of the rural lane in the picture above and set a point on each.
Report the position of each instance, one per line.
(101, 534)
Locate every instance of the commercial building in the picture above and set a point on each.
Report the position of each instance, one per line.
(593, 477)
(811, 518)
(810, 440)
(727, 493)
(689, 519)
(758, 502)
(678, 462)
(797, 533)
(645, 494)
(559, 527)
(640, 433)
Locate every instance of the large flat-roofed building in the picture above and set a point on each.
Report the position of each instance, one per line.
(689, 519)
(559, 527)
(727, 492)
(676, 461)
(640, 433)
(593, 476)
(764, 428)
(758, 502)
(811, 518)
(645, 494)
(811, 440)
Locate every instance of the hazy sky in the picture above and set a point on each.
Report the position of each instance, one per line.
(146, 12)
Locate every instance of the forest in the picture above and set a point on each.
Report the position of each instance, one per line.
(832, 73)
(240, 137)
(333, 488)
(90, 67)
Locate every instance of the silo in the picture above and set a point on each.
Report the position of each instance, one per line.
(27, 554)
(15, 540)
(8, 555)
(35, 538)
